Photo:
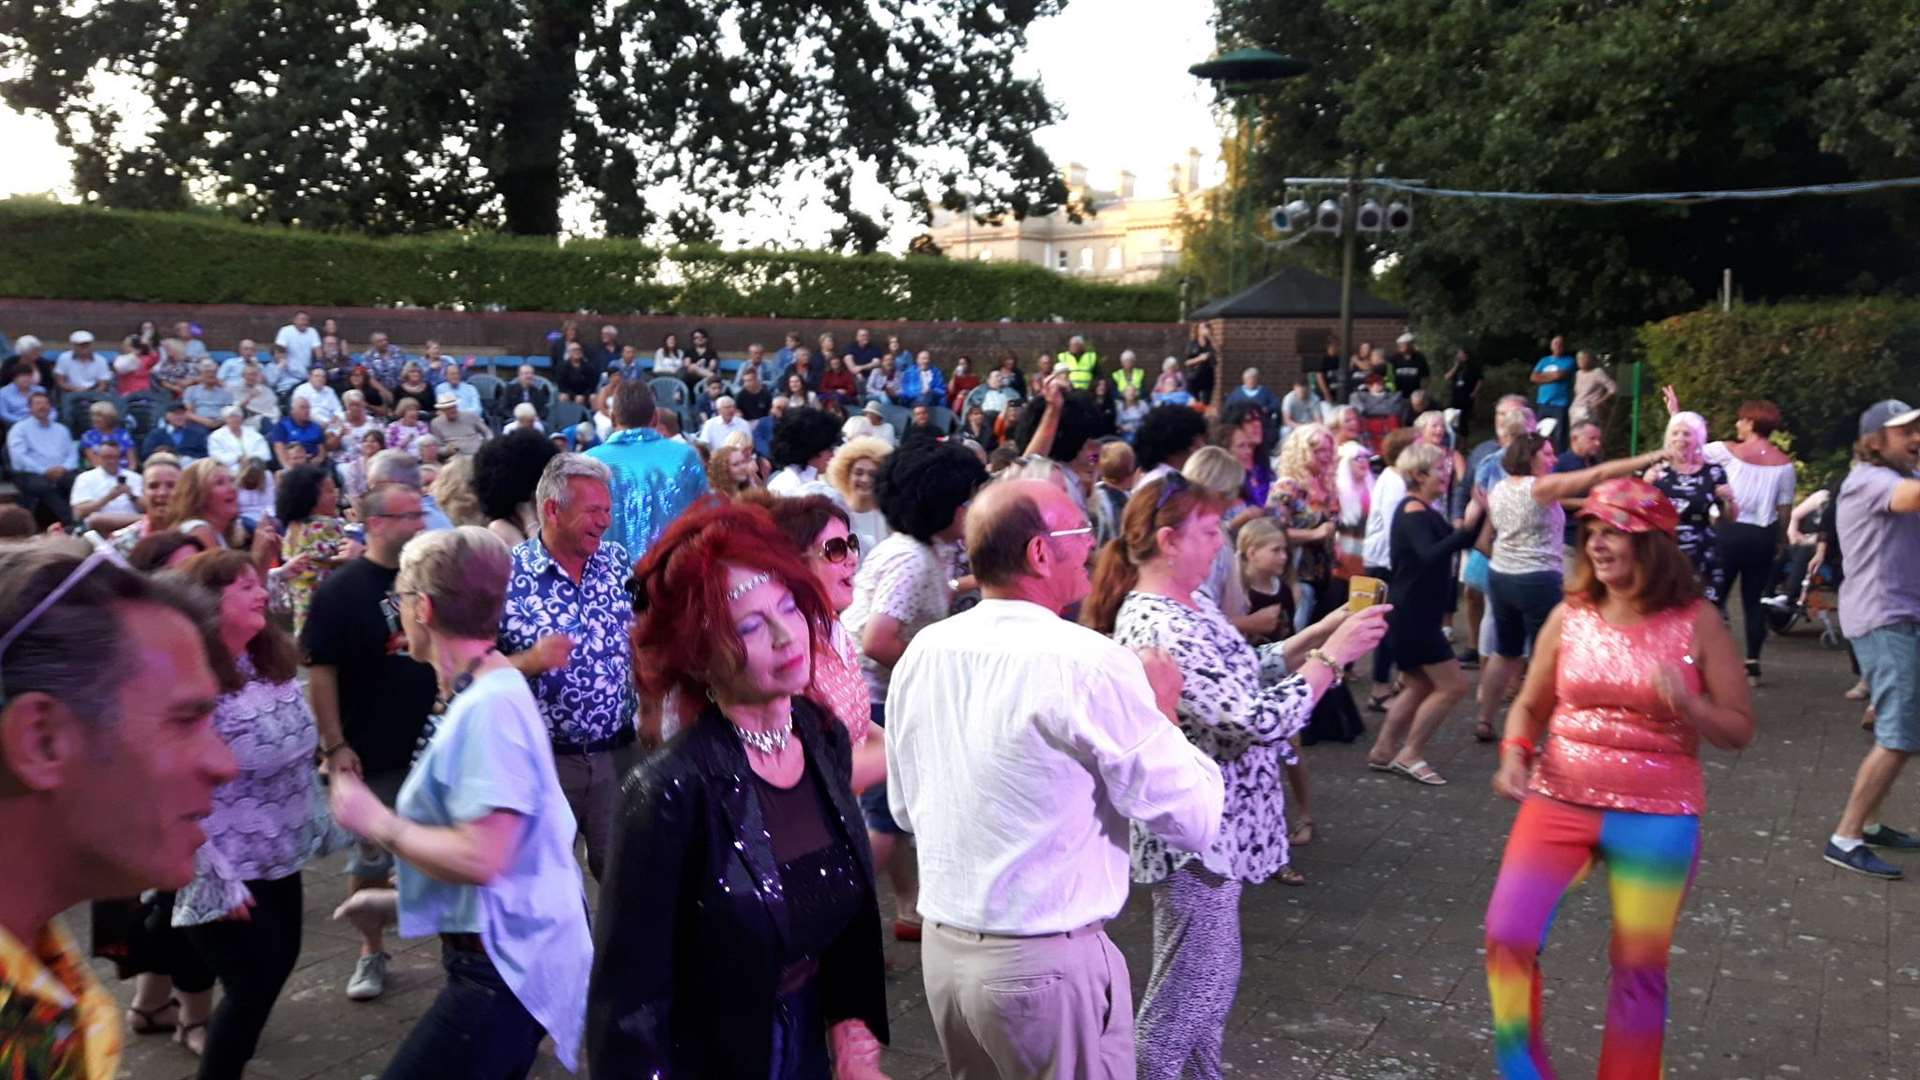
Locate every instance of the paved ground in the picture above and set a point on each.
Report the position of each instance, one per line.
(1783, 967)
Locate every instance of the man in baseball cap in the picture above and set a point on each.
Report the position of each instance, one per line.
(1879, 527)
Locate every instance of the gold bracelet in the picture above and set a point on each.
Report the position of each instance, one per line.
(1334, 669)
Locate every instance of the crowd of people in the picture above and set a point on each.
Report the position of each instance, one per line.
(1010, 666)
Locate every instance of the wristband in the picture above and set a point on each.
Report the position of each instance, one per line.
(1524, 745)
(327, 752)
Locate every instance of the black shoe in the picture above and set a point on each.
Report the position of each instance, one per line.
(1881, 836)
(1470, 660)
(1862, 861)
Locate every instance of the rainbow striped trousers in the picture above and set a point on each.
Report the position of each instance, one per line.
(1650, 863)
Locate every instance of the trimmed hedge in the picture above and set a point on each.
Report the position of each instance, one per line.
(84, 253)
(1823, 362)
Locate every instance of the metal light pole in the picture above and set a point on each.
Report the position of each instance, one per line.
(1349, 253)
(1243, 73)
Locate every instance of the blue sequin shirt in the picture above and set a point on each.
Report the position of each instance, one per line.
(654, 481)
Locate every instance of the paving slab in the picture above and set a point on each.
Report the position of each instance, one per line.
(1783, 967)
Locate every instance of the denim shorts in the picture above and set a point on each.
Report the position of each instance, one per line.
(1890, 662)
(1520, 605)
(367, 860)
(873, 801)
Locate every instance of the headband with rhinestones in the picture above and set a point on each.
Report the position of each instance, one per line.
(748, 586)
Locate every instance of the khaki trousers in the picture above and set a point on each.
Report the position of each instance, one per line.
(1057, 1007)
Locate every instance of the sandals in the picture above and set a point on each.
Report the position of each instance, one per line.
(1483, 732)
(1287, 875)
(142, 1021)
(1378, 702)
(184, 1036)
(1420, 773)
(1858, 692)
(1380, 766)
(1302, 834)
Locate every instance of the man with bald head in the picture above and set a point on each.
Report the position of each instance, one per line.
(1019, 745)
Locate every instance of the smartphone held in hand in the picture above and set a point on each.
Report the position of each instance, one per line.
(1365, 592)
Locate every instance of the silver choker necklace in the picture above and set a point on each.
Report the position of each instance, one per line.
(767, 742)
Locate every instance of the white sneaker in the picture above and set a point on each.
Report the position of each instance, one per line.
(369, 978)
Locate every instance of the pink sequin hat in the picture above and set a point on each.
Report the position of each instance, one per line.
(1632, 506)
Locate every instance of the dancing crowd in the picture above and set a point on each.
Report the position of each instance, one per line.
(1013, 664)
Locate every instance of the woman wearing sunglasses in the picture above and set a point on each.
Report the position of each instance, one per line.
(822, 535)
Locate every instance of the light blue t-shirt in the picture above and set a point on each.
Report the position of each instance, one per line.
(1559, 392)
(492, 752)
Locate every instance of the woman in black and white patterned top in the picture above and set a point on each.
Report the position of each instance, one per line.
(1143, 594)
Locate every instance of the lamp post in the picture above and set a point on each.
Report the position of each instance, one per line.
(1241, 74)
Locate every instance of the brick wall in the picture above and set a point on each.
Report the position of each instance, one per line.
(523, 332)
(1283, 348)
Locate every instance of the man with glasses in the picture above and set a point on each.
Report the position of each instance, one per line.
(370, 698)
(108, 763)
(1023, 743)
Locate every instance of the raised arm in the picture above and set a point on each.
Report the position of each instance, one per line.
(1556, 486)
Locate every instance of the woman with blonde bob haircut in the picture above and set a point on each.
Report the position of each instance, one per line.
(1143, 595)
(482, 833)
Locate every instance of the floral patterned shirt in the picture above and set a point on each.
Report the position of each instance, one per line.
(263, 821)
(55, 1019)
(1298, 507)
(1229, 713)
(323, 538)
(591, 699)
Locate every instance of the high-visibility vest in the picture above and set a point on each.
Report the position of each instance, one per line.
(1125, 379)
(1079, 368)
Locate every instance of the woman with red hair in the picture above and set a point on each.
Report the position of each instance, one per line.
(739, 930)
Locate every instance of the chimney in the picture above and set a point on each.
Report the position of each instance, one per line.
(1076, 177)
(1126, 185)
(1193, 169)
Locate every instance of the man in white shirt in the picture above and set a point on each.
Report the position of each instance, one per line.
(723, 423)
(321, 400)
(107, 497)
(236, 442)
(872, 421)
(80, 368)
(300, 340)
(1019, 745)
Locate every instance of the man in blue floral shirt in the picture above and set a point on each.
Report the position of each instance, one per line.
(565, 628)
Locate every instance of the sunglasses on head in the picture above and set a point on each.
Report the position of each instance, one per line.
(839, 548)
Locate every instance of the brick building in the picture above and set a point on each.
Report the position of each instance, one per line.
(1282, 325)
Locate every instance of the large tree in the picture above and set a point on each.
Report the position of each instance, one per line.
(414, 115)
(1602, 96)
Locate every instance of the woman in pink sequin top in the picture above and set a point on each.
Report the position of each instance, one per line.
(1628, 675)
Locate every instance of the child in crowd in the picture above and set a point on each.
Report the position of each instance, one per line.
(1266, 570)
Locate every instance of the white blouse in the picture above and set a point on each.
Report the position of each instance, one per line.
(1758, 490)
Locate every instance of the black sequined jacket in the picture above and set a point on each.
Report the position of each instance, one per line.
(693, 920)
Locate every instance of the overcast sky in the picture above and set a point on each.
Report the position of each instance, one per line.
(1117, 68)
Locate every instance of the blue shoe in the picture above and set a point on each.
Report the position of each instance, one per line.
(1862, 861)
(1881, 836)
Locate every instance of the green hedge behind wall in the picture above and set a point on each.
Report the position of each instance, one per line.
(82, 253)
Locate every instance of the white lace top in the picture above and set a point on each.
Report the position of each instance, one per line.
(1239, 709)
(1758, 490)
(263, 826)
(1527, 537)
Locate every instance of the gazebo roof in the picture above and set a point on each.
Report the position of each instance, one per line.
(1296, 293)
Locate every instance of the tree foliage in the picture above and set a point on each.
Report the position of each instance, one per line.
(396, 116)
(1604, 96)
